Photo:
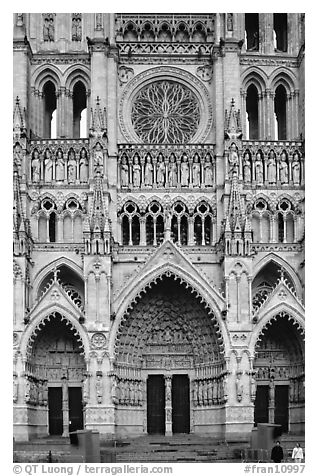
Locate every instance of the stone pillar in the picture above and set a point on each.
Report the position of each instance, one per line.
(168, 403)
(65, 409)
(271, 403)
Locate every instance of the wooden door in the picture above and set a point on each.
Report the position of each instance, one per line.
(261, 404)
(75, 406)
(180, 404)
(55, 410)
(156, 405)
(281, 406)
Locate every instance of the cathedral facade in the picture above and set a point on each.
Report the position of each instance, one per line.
(158, 223)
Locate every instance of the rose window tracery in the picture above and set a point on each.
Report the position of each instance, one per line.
(165, 112)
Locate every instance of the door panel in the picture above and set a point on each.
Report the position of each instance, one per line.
(261, 404)
(281, 406)
(156, 404)
(180, 404)
(55, 410)
(75, 408)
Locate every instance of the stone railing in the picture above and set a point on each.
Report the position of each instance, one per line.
(270, 163)
(172, 49)
(59, 161)
(162, 167)
(163, 27)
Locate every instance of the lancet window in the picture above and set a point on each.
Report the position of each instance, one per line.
(154, 224)
(72, 222)
(130, 220)
(179, 223)
(203, 224)
(47, 219)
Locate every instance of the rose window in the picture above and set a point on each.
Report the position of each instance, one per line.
(165, 112)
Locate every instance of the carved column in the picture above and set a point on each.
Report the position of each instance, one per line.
(271, 402)
(65, 409)
(143, 241)
(191, 231)
(168, 404)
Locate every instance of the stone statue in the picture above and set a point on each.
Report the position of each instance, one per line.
(259, 174)
(139, 394)
(124, 172)
(15, 388)
(71, 167)
(239, 387)
(225, 388)
(83, 166)
(296, 169)
(98, 159)
(99, 388)
(172, 172)
(271, 392)
(283, 168)
(27, 390)
(51, 28)
(59, 170)
(35, 166)
(148, 172)
(17, 155)
(253, 388)
(168, 389)
(48, 166)
(76, 28)
(271, 168)
(86, 389)
(233, 159)
(48, 28)
(208, 172)
(247, 168)
(184, 171)
(196, 172)
(161, 171)
(136, 173)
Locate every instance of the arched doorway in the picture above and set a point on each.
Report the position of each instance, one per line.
(55, 370)
(169, 371)
(279, 371)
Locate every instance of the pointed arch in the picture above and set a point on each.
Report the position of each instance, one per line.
(282, 309)
(38, 321)
(48, 269)
(132, 292)
(284, 264)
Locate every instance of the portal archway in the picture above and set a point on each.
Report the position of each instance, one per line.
(279, 373)
(167, 345)
(54, 374)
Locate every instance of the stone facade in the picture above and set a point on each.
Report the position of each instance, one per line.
(164, 235)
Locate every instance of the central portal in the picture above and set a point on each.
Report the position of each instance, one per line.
(164, 402)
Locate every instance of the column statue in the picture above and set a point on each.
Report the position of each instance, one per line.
(296, 169)
(136, 173)
(208, 172)
(59, 170)
(148, 172)
(196, 171)
(283, 168)
(172, 172)
(271, 168)
(124, 180)
(83, 166)
(161, 170)
(48, 166)
(71, 167)
(184, 171)
(35, 165)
